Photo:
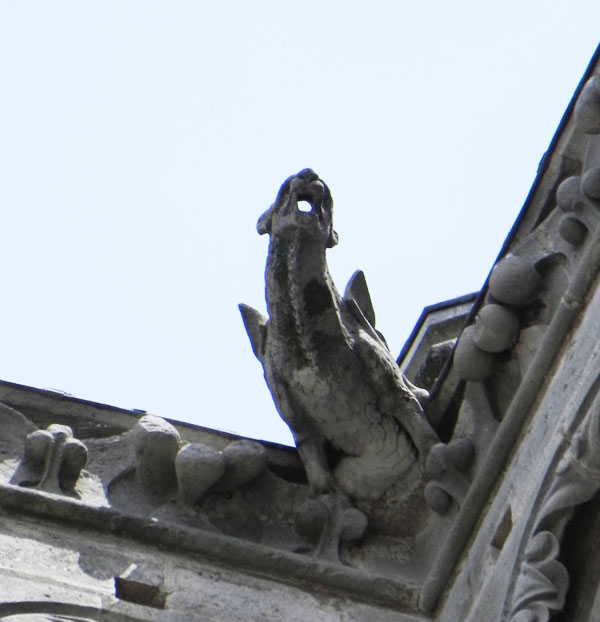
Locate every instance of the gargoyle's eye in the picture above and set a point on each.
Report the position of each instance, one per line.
(304, 206)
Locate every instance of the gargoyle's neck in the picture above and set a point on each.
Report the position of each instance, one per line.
(302, 301)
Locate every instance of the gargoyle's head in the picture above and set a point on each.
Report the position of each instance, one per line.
(302, 190)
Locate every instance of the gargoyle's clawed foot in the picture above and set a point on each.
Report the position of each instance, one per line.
(445, 472)
(328, 522)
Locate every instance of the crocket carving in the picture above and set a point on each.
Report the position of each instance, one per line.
(358, 423)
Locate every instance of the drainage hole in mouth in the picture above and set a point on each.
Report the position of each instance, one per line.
(304, 206)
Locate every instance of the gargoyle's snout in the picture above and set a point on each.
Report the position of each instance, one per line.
(286, 212)
(307, 175)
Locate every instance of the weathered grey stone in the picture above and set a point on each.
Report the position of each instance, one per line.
(572, 230)
(201, 468)
(38, 444)
(514, 281)
(437, 498)
(587, 109)
(53, 460)
(156, 445)
(568, 194)
(470, 362)
(76, 572)
(590, 184)
(244, 461)
(496, 329)
(328, 522)
(354, 525)
(445, 470)
(75, 457)
(310, 518)
(543, 584)
(198, 468)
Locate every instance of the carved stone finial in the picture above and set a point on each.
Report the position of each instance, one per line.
(53, 460)
(359, 425)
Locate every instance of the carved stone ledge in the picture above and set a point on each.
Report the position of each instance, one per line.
(303, 571)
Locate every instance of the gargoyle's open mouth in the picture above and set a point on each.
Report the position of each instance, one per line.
(303, 202)
(310, 200)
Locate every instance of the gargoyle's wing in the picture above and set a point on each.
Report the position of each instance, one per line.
(358, 291)
(358, 301)
(256, 327)
(397, 396)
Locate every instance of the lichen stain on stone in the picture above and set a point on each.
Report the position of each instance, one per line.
(317, 298)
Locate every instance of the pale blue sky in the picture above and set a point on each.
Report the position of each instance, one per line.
(140, 142)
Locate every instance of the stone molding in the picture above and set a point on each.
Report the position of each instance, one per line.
(290, 568)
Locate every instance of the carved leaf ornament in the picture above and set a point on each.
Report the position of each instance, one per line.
(543, 581)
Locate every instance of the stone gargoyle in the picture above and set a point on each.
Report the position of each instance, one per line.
(358, 424)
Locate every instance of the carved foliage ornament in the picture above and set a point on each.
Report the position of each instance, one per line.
(542, 582)
(53, 460)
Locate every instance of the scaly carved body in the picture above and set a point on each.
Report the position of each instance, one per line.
(356, 420)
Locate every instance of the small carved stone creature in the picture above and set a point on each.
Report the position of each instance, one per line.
(358, 424)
